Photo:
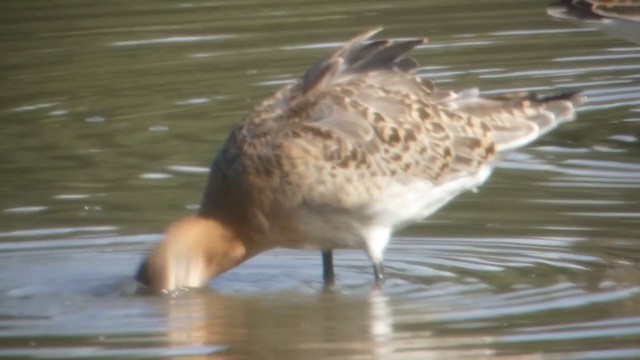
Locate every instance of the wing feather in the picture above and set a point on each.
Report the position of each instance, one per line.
(360, 121)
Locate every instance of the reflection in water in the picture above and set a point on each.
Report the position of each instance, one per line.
(426, 322)
(325, 325)
(475, 298)
(484, 307)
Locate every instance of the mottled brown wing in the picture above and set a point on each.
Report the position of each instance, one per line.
(354, 60)
(366, 136)
(361, 121)
(516, 119)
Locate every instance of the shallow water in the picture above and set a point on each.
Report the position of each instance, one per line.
(110, 114)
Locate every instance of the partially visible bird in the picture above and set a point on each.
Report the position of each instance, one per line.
(618, 18)
(356, 149)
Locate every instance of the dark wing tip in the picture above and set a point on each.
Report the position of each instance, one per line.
(576, 98)
(360, 56)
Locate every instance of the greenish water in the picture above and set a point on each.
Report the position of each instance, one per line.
(111, 111)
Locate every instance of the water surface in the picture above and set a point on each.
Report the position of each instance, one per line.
(111, 112)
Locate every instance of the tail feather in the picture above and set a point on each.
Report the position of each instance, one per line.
(519, 119)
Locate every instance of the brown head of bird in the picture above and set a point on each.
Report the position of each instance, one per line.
(193, 250)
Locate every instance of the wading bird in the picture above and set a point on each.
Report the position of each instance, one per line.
(357, 148)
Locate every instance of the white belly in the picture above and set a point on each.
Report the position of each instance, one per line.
(402, 202)
(408, 200)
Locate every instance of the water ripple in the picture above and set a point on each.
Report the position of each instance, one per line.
(172, 40)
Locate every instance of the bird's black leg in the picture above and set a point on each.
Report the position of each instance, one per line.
(327, 267)
(378, 271)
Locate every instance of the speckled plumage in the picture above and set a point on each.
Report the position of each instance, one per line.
(355, 149)
(358, 141)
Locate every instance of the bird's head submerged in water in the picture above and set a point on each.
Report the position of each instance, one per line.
(193, 250)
